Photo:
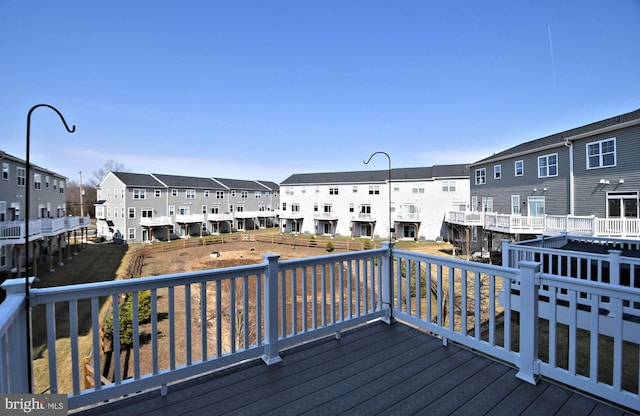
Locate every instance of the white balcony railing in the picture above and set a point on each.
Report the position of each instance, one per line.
(12, 232)
(155, 221)
(190, 218)
(520, 224)
(248, 312)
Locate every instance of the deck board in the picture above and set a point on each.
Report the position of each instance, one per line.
(374, 369)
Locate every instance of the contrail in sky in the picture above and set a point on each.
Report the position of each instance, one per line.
(553, 61)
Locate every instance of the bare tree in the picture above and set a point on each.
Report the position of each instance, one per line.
(110, 166)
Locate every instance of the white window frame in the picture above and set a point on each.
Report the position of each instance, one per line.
(131, 233)
(5, 171)
(448, 186)
(21, 176)
(131, 213)
(190, 193)
(174, 192)
(37, 181)
(518, 171)
(481, 176)
(157, 193)
(545, 166)
(515, 205)
(497, 171)
(139, 193)
(600, 155)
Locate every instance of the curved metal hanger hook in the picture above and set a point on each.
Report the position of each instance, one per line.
(66, 126)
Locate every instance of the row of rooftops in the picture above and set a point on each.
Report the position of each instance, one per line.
(367, 176)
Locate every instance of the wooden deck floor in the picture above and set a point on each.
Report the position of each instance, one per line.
(376, 369)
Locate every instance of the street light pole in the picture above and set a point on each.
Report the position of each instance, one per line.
(26, 231)
(391, 228)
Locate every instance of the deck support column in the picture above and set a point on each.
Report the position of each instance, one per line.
(271, 349)
(528, 365)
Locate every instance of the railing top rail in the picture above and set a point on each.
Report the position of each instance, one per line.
(9, 309)
(99, 289)
(509, 272)
(582, 285)
(331, 258)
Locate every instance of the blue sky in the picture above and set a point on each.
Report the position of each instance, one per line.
(265, 89)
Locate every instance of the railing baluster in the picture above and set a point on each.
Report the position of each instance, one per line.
(218, 315)
(172, 328)
(245, 312)
(51, 347)
(73, 338)
(294, 301)
(154, 332)
(135, 322)
(323, 288)
(314, 297)
(304, 292)
(232, 315)
(95, 310)
(332, 286)
(187, 319)
(117, 372)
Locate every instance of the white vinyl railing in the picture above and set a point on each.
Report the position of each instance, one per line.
(187, 324)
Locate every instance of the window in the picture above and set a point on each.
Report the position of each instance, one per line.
(5, 171)
(204, 209)
(207, 193)
(132, 212)
(172, 210)
(295, 207)
(303, 190)
(244, 194)
(55, 185)
(374, 189)
(481, 176)
(146, 212)
(21, 176)
(515, 204)
(174, 192)
(3, 256)
(355, 189)
(46, 181)
(121, 211)
(115, 193)
(418, 188)
(61, 187)
(233, 193)
(132, 233)
(365, 209)
(258, 194)
(219, 194)
(157, 193)
(37, 181)
(448, 186)
(284, 206)
(3, 211)
(190, 193)
(288, 190)
(536, 206)
(328, 208)
(497, 171)
(518, 167)
(240, 208)
(487, 204)
(122, 193)
(139, 194)
(333, 190)
(315, 207)
(351, 207)
(215, 209)
(601, 154)
(548, 165)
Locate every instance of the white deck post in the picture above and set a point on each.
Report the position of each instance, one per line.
(271, 349)
(15, 378)
(505, 253)
(387, 281)
(615, 308)
(528, 366)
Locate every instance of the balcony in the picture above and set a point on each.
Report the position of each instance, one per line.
(406, 217)
(548, 224)
(291, 215)
(327, 216)
(156, 221)
(189, 218)
(369, 332)
(12, 232)
(254, 214)
(226, 216)
(364, 217)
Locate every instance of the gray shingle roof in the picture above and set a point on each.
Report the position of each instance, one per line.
(138, 179)
(187, 181)
(238, 184)
(559, 138)
(373, 176)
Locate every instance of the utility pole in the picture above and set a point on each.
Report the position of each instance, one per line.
(81, 193)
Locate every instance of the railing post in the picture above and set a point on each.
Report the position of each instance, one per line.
(387, 280)
(505, 253)
(271, 349)
(529, 280)
(614, 280)
(18, 361)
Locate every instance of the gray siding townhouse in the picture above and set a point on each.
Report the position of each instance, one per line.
(253, 204)
(583, 180)
(49, 228)
(412, 205)
(137, 207)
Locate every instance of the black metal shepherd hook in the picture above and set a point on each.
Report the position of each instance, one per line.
(391, 228)
(26, 231)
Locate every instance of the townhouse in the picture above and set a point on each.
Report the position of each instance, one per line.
(137, 207)
(583, 180)
(408, 203)
(49, 228)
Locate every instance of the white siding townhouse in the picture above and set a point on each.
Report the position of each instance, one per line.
(367, 204)
(49, 227)
(584, 180)
(138, 207)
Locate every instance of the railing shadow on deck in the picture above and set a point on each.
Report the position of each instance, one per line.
(216, 318)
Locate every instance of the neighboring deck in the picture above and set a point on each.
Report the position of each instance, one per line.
(374, 369)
